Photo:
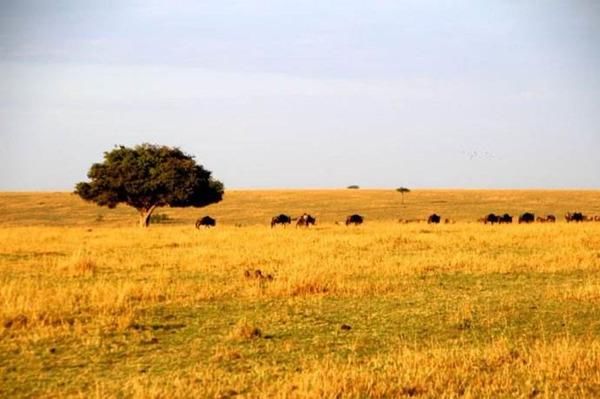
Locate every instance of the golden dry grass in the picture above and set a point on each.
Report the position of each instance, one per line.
(250, 207)
(95, 308)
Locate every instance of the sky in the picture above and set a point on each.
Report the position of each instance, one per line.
(306, 94)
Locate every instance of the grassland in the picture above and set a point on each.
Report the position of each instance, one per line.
(92, 306)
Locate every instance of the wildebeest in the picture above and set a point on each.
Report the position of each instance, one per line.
(547, 219)
(491, 218)
(568, 217)
(281, 219)
(506, 219)
(205, 221)
(574, 217)
(434, 219)
(306, 220)
(527, 217)
(354, 219)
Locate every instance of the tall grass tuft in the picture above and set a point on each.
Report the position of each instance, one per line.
(81, 263)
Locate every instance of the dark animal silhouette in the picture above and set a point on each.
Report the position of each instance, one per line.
(569, 217)
(491, 218)
(306, 220)
(206, 221)
(281, 219)
(527, 217)
(505, 219)
(354, 219)
(551, 219)
(435, 219)
(574, 217)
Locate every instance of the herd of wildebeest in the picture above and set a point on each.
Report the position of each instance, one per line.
(306, 220)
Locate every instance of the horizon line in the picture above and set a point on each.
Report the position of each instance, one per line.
(366, 188)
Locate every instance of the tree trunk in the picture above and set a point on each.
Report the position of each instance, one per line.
(145, 216)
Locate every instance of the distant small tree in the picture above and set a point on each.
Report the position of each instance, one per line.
(403, 190)
(353, 187)
(148, 176)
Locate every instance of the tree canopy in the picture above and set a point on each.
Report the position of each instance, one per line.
(149, 176)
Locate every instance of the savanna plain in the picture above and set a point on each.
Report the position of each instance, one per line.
(93, 306)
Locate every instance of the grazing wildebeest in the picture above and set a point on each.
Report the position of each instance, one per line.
(205, 221)
(569, 217)
(597, 218)
(491, 218)
(281, 219)
(506, 218)
(574, 217)
(551, 219)
(527, 217)
(354, 219)
(435, 219)
(540, 219)
(306, 220)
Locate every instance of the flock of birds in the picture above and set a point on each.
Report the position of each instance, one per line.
(306, 220)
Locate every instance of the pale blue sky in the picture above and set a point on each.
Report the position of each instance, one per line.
(306, 93)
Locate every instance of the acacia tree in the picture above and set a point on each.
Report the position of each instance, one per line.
(403, 190)
(148, 176)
